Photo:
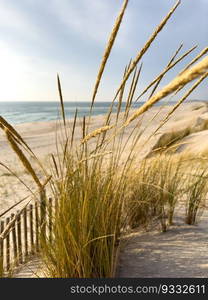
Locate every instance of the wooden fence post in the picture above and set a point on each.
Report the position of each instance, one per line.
(14, 239)
(31, 229)
(8, 247)
(19, 237)
(14, 247)
(43, 214)
(1, 249)
(37, 223)
(25, 231)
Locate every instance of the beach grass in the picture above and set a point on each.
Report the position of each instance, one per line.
(196, 196)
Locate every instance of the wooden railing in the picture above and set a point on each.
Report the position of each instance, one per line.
(22, 231)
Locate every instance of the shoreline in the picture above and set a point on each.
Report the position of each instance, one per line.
(34, 110)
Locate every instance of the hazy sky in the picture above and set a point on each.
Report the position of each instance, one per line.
(40, 38)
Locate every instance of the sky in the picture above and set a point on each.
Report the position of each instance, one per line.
(39, 39)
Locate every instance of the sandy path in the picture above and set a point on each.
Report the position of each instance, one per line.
(181, 252)
(29, 270)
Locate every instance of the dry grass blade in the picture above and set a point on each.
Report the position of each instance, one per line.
(74, 126)
(168, 65)
(84, 133)
(55, 164)
(146, 46)
(175, 54)
(19, 140)
(108, 49)
(165, 71)
(65, 149)
(108, 115)
(107, 119)
(135, 75)
(96, 156)
(202, 53)
(96, 133)
(132, 91)
(61, 100)
(177, 82)
(4, 124)
(22, 157)
(119, 104)
(182, 100)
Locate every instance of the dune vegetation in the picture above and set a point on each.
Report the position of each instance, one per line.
(102, 187)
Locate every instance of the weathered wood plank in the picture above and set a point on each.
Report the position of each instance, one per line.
(14, 239)
(37, 224)
(31, 229)
(1, 249)
(19, 238)
(8, 247)
(25, 216)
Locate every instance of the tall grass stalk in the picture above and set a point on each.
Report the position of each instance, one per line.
(146, 46)
(108, 48)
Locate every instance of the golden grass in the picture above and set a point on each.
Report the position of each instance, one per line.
(196, 196)
(61, 100)
(181, 80)
(146, 46)
(180, 101)
(108, 48)
(5, 125)
(22, 157)
(169, 67)
(202, 53)
(96, 132)
(196, 84)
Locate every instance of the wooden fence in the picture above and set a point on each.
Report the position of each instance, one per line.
(21, 231)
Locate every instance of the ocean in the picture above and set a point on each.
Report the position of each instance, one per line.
(24, 112)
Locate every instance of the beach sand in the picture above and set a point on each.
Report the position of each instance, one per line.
(181, 252)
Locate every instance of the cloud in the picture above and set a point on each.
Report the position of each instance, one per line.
(10, 17)
(12, 72)
(90, 20)
(16, 21)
